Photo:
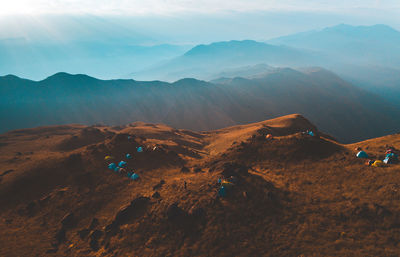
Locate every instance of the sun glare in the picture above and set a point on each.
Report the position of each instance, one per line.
(16, 7)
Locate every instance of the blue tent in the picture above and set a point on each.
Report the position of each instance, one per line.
(129, 174)
(222, 192)
(135, 176)
(362, 154)
(122, 164)
(112, 166)
(140, 149)
(128, 156)
(391, 158)
(116, 169)
(311, 133)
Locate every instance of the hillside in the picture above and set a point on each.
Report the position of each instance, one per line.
(294, 195)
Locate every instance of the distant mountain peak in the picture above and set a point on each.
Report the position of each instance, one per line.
(62, 76)
(10, 77)
(189, 81)
(223, 45)
(346, 27)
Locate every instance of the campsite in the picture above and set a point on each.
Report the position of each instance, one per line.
(209, 128)
(262, 189)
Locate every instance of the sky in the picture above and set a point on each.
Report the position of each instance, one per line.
(170, 7)
(184, 21)
(45, 29)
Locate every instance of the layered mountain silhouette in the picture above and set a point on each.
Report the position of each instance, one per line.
(368, 56)
(336, 106)
(371, 45)
(205, 61)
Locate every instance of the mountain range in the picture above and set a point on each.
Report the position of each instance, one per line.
(367, 56)
(369, 45)
(205, 61)
(337, 107)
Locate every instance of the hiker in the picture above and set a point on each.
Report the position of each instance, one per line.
(232, 179)
(369, 162)
(222, 192)
(122, 170)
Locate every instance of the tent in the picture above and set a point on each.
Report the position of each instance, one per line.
(391, 158)
(140, 149)
(362, 154)
(311, 133)
(112, 166)
(108, 157)
(128, 156)
(122, 164)
(377, 163)
(135, 176)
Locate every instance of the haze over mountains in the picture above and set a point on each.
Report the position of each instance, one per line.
(104, 59)
(370, 45)
(367, 56)
(244, 84)
(204, 61)
(334, 105)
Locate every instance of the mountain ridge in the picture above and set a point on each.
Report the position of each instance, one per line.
(333, 104)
